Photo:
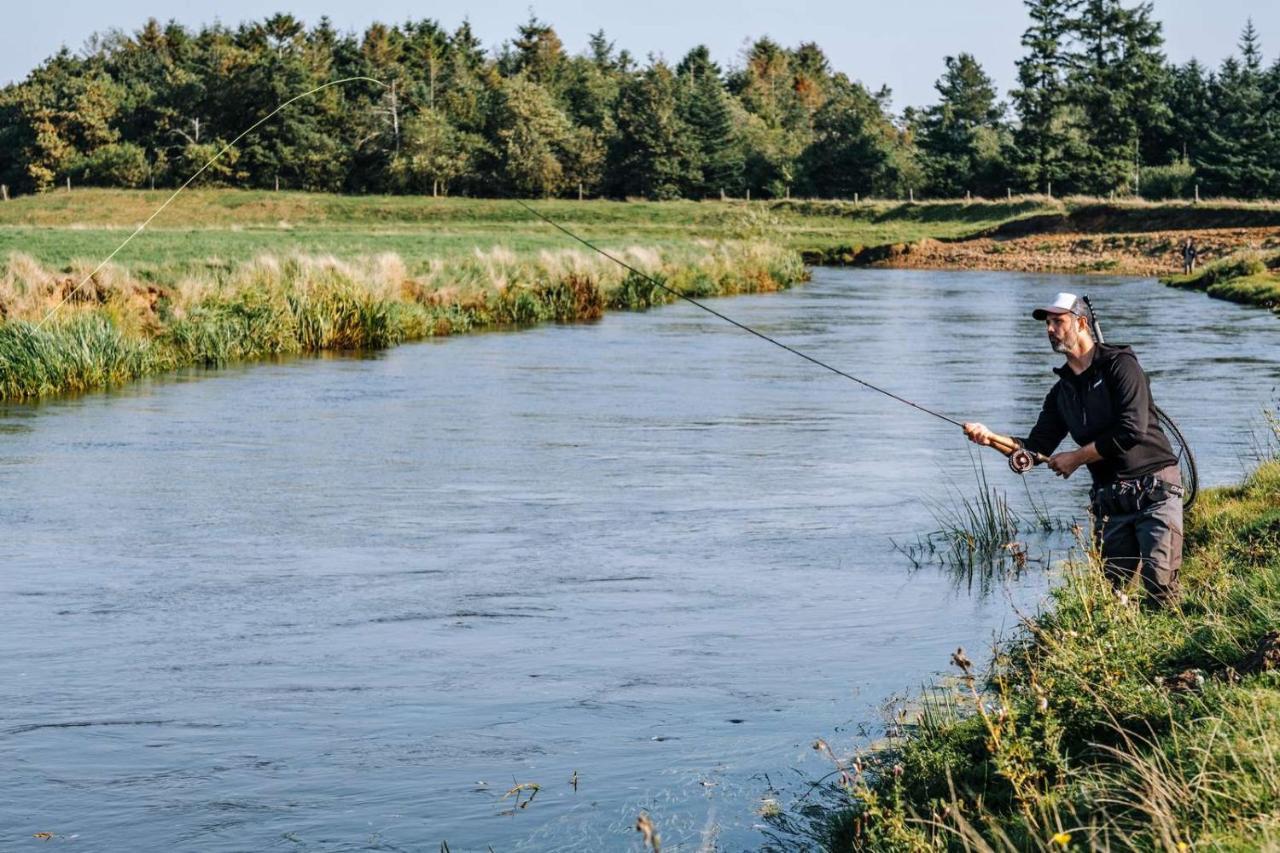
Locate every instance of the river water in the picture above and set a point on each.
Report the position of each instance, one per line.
(347, 604)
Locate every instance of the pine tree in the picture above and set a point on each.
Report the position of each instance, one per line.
(855, 148)
(532, 135)
(779, 125)
(811, 72)
(297, 148)
(538, 53)
(960, 137)
(1240, 151)
(1190, 114)
(592, 86)
(1251, 48)
(1117, 80)
(462, 92)
(704, 107)
(1042, 137)
(424, 54)
(1271, 95)
(652, 154)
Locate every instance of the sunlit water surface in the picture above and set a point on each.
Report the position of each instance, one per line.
(348, 604)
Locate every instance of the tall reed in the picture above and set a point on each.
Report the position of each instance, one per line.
(117, 327)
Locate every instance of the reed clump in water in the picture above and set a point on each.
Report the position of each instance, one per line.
(1104, 725)
(980, 537)
(119, 327)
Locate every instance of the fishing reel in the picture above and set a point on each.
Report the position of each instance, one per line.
(1021, 461)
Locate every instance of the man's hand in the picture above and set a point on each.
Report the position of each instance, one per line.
(979, 434)
(1065, 464)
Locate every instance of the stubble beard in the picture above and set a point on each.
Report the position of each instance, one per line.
(1066, 343)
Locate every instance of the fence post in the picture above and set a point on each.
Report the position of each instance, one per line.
(277, 183)
(968, 196)
(748, 193)
(1008, 191)
(1050, 193)
(1197, 192)
(855, 199)
(722, 193)
(911, 195)
(4, 192)
(788, 192)
(68, 183)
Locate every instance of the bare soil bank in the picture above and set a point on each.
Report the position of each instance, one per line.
(1155, 253)
(1125, 238)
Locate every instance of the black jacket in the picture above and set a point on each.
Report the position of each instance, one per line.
(1109, 404)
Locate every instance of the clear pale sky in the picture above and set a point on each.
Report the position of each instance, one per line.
(896, 42)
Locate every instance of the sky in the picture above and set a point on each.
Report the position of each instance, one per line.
(899, 43)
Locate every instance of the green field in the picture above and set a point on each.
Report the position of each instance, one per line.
(69, 229)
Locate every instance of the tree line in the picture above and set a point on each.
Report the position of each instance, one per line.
(1097, 110)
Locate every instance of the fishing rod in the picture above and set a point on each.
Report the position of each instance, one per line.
(1018, 455)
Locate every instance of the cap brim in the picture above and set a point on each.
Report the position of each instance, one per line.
(1042, 313)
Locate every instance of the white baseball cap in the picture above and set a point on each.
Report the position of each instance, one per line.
(1063, 303)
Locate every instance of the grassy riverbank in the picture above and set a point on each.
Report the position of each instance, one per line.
(121, 326)
(1101, 726)
(1249, 277)
(225, 275)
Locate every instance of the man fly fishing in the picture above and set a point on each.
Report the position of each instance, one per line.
(1103, 400)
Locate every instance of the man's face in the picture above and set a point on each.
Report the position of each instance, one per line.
(1064, 331)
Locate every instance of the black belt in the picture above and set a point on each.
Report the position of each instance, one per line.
(1168, 480)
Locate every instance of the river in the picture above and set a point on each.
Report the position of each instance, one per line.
(349, 603)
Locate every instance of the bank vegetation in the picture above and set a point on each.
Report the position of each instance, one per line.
(1102, 725)
(66, 332)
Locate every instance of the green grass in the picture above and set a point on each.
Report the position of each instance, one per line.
(980, 539)
(1262, 289)
(1247, 277)
(229, 225)
(121, 326)
(1080, 735)
(205, 226)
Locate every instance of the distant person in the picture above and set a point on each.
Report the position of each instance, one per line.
(1188, 256)
(1103, 400)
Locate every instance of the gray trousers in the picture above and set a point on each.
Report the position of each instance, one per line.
(1141, 534)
